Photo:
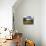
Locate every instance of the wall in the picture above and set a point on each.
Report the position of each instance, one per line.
(6, 16)
(29, 8)
(6, 13)
(43, 22)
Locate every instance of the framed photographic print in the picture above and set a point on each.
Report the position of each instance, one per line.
(28, 20)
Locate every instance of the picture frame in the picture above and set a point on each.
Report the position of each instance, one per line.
(28, 20)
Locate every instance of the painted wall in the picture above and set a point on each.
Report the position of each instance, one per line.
(29, 8)
(6, 16)
(43, 22)
(6, 13)
(35, 8)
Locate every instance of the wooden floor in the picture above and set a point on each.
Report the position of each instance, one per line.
(12, 42)
(9, 43)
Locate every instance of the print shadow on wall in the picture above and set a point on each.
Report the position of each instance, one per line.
(28, 20)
